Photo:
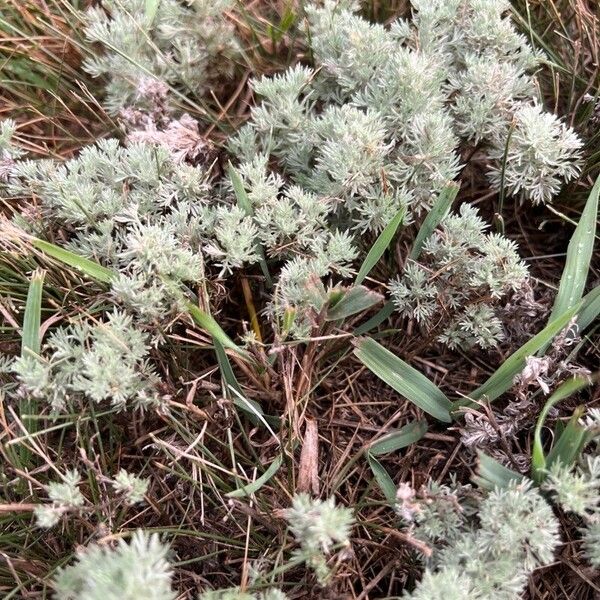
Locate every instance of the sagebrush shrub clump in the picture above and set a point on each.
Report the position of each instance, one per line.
(186, 45)
(343, 167)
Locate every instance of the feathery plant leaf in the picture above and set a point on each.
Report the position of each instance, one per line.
(98, 272)
(434, 217)
(406, 380)
(245, 204)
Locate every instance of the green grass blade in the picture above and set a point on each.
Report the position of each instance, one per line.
(386, 311)
(245, 204)
(438, 211)
(88, 267)
(208, 323)
(538, 459)
(356, 299)
(579, 254)
(250, 407)
(380, 246)
(569, 445)
(502, 379)
(400, 438)
(491, 474)
(30, 346)
(253, 487)
(383, 479)
(590, 309)
(405, 379)
(31, 342)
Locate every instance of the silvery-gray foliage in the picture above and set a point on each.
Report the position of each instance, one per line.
(484, 547)
(462, 272)
(134, 570)
(185, 44)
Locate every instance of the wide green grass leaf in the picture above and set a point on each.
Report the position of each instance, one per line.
(383, 479)
(355, 300)
(400, 438)
(30, 346)
(406, 380)
(491, 474)
(579, 254)
(31, 342)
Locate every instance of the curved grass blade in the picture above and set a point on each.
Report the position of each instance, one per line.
(538, 459)
(401, 438)
(405, 379)
(386, 311)
(571, 442)
(380, 246)
(357, 299)
(491, 474)
(88, 267)
(438, 211)
(502, 379)
(383, 479)
(253, 487)
(208, 323)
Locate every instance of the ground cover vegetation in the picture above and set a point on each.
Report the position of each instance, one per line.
(299, 300)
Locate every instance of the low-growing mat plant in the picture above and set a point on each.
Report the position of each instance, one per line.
(309, 309)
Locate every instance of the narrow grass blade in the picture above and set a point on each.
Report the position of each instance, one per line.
(357, 299)
(86, 266)
(250, 407)
(590, 309)
(31, 342)
(401, 438)
(538, 459)
(30, 346)
(383, 479)
(569, 445)
(579, 254)
(438, 211)
(491, 474)
(503, 378)
(377, 319)
(253, 487)
(244, 202)
(208, 323)
(380, 246)
(405, 379)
